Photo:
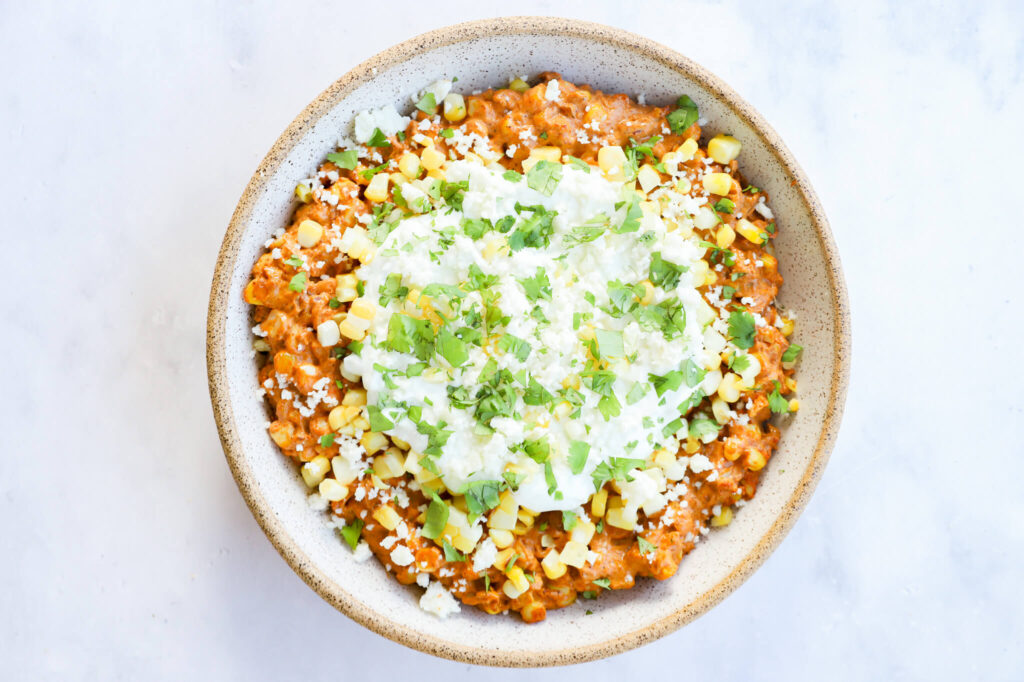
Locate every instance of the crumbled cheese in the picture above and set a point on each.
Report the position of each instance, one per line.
(484, 556)
(401, 555)
(552, 92)
(386, 118)
(439, 601)
(362, 552)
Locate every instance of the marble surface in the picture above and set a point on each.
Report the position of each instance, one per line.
(128, 132)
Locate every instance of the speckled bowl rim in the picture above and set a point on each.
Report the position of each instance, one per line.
(226, 263)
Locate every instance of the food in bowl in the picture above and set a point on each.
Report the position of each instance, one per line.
(525, 342)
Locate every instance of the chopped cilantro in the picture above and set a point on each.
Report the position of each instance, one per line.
(646, 546)
(544, 177)
(327, 440)
(428, 104)
(450, 553)
(569, 520)
(538, 286)
(378, 139)
(345, 160)
(578, 452)
(609, 342)
(684, 116)
(742, 329)
(663, 273)
(351, 532)
(776, 402)
(792, 353)
(298, 282)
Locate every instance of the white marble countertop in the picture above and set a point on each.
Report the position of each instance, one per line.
(128, 133)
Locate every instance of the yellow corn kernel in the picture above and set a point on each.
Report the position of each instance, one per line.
(340, 416)
(346, 288)
(683, 186)
(599, 503)
(364, 308)
(354, 327)
(250, 296)
(583, 531)
(386, 516)
(431, 158)
(343, 470)
(610, 160)
(454, 107)
(574, 554)
(519, 85)
(399, 443)
(717, 183)
(303, 193)
(493, 248)
(729, 388)
(621, 517)
(790, 384)
(327, 333)
(725, 236)
(501, 538)
(722, 518)
(502, 558)
(756, 461)
(794, 405)
(389, 465)
(553, 154)
(332, 491)
(723, 148)
(409, 165)
(377, 190)
(648, 292)
(503, 519)
(553, 566)
(373, 442)
(309, 233)
(749, 231)
(516, 583)
(720, 410)
(788, 326)
(360, 423)
(314, 470)
(687, 149)
(526, 517)
(354, 396)
(648, 177)
(663, 458)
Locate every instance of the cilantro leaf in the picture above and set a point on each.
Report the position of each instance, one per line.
(515, 345)
(609, 342)
(298, 282)
(777, 403)
(345, 160)
(684, 116)
(544, 177)
(792, 353)
(742, 329)
(428, 104)
(378, 422)
(578, 452)
(538, 286)
(437, 518)
(351, 532)
(646, 546)
(663, 273)
(378, 139)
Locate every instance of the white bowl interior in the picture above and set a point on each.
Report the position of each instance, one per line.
(479, 64)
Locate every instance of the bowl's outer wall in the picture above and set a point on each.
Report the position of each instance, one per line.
(485, 54)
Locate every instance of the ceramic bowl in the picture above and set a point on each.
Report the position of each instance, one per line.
(484, 54)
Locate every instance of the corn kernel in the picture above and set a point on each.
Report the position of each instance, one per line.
(346, 288)
(399, 443)
(722, 518)
(354, 327)
(309, 233)
(364, 308)
(717, 183)
(610, 159)
(648, 296)
(553, 154)
(683, 186)
(749, 231)
(373, 442)
(553, 566)
(314, 470)
(354, 396)
(502, 558)
(574, 554)
(687, 149)
(723, 148)
(454, 107)
(332, 491)
(599, 503)
(582, 532)
(343, 470)
(431, 158)
(692, 445)
(621, 517)
(377, 190)
(327, 333)
(501, 538)
(409, 165)
(303, 193)
(729, 388)
(725, 237)
(502, 520)
(720, 410)
(386, 516)
(756, 461)
(518, 85)
(788, 326)
(516, 583)
(794, 405)
(389, 465)
(648, 177)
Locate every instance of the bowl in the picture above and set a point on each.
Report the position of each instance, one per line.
(484, 54)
